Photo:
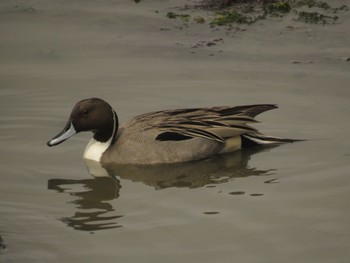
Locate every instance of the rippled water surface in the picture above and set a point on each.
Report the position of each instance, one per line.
(284, 204)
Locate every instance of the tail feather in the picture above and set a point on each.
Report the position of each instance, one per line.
(249, 140)
(247, 110)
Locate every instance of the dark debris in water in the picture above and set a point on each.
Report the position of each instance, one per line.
(24, 9)
(211, 213)
(208, 43)
(242, 193)
(272, 181)
(256, 194)
(237, 193)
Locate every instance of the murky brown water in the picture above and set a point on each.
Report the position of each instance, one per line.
(286, 204)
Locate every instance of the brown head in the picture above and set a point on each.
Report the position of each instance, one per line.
(93, 115)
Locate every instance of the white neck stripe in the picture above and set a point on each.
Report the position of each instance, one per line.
(95, 149)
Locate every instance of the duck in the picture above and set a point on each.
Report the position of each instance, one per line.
(166, 136)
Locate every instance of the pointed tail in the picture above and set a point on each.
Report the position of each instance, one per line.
(249, 140)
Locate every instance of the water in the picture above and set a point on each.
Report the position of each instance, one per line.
(285, 204)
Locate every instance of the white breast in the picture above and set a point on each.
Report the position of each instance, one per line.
(95, 149)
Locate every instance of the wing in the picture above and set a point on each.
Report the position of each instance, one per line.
(217, 123)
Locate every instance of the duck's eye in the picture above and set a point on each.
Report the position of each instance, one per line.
(85, 112)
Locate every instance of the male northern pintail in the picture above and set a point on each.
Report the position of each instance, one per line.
(168, 136)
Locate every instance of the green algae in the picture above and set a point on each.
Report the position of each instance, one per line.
(315, 18)
(232, 16)
(184, 17)
(228, 12)
(280, 7)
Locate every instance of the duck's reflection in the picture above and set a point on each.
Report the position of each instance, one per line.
(96, 212)
(91, 199)
(2, 245)
(191, 175)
